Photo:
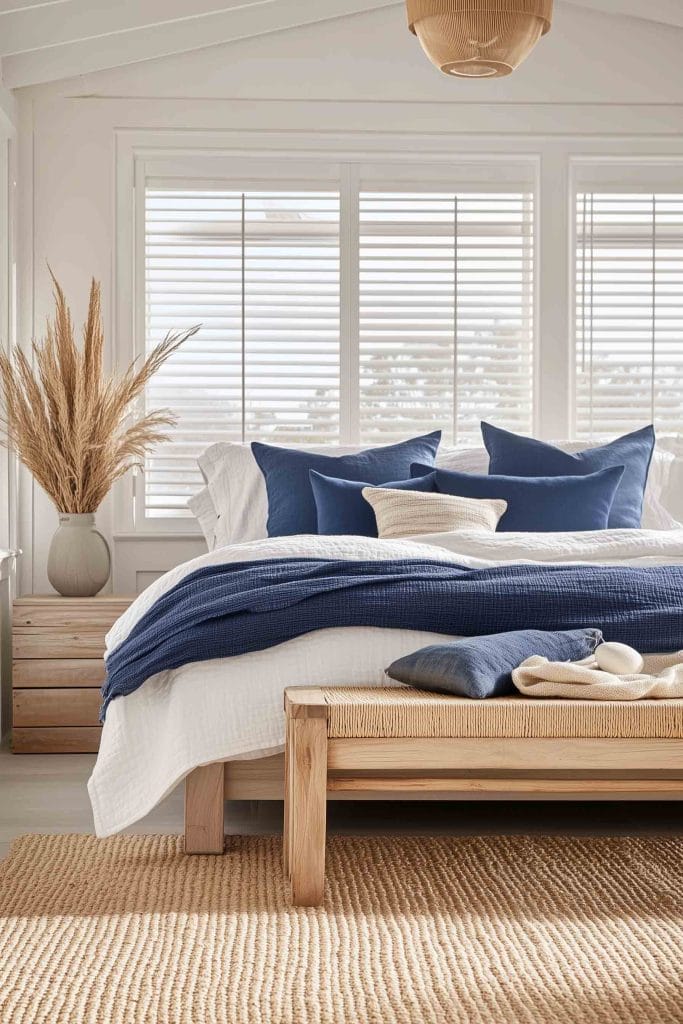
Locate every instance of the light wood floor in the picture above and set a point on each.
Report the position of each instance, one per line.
(47, 793)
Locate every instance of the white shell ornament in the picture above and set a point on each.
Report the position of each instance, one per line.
(619, 659)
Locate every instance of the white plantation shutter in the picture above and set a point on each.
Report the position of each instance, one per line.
(260, 272)
(436, 329)
(629, 311)
(446, 306)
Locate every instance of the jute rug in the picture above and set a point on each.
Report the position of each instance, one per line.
(473, 930)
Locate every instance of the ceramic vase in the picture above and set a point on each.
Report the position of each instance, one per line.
(78, 563)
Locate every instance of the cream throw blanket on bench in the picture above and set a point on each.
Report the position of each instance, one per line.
(662, 677)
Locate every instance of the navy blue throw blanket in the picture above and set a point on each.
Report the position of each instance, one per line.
(223, 610)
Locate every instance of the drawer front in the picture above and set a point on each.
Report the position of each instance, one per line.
(69, 614)
(66, 673)
(54, 643)
(43, 708)
(65, 740)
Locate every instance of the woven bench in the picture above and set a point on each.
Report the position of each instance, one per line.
(407, 742)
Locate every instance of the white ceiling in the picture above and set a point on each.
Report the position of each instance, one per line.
(48, 40)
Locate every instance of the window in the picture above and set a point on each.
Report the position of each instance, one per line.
(629, 311)
(434, 328)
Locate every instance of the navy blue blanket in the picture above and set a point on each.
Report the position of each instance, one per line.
(224, 610)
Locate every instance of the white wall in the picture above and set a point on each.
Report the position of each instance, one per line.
(596, 84)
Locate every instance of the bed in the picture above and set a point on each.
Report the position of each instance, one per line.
(219, 723)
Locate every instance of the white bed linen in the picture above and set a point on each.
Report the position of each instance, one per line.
(231, 708)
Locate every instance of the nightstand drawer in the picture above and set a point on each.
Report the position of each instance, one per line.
(54, 643)
(90, 615)
(64, 673)
(54, 740)
(34, 708)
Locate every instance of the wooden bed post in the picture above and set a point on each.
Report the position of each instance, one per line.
(204, 799)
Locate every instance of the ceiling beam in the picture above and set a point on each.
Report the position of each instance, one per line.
(72, 59)
(665, 12)
(33, 29)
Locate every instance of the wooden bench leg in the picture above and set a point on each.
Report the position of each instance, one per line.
(306, 809)
(286, 829)
(204, 800)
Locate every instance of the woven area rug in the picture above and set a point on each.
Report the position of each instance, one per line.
(499, 930)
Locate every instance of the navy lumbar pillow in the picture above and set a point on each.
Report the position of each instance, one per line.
(542, 504)
(342, 509)
(514, 455)
(291, 506)
(481, 666)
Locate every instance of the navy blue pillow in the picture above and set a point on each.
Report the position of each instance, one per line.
(291, 506)
(513, 455)
(541, 504)
(481, 666)
(342, 509)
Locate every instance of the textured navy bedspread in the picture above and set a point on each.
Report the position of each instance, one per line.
(224, 610)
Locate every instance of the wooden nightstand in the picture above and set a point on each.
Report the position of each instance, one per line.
(57, 671)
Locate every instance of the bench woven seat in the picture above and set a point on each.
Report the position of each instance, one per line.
(385, 713)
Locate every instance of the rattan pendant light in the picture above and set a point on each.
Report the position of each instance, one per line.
(478, 38)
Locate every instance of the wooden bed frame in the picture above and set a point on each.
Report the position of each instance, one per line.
(478, 769)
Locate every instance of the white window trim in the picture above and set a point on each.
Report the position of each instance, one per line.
(554, 161)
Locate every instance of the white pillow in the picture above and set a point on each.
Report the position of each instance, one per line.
(203, 509)
(237, 490)
(233, 507)
(671, 494)
(411, 513)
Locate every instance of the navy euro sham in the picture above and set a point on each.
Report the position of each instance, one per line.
(515, 455)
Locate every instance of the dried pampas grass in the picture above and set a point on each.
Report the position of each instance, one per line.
(72, 426)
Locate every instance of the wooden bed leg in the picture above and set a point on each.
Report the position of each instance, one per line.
(204, 799)
(306, 799)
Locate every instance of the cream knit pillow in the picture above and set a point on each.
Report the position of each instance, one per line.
(409, 513)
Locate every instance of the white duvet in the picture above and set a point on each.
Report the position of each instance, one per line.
(231, 708)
